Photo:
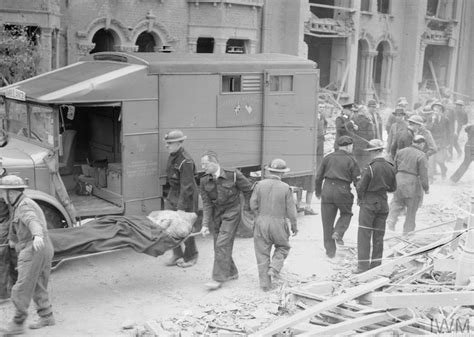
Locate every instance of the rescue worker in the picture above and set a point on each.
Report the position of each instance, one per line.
(439, 127)
(402, 104)
(411, 166)
(416, 127)
(376, 118)
(182, 194)
(398, 127)
(468, 154)
(344, 124)
(220, 191)
(8, 259)
(377, 179)
(362, 133)
(272, 202)
(338, 170)
(29, 232)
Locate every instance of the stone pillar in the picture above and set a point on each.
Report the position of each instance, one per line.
(421, 60)
(192, 44)
(386, 75)
(368, 60)
(45, 49)
(252, 47)
(220, 45)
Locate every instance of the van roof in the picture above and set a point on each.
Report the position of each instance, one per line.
(106, 76)
(164, 63)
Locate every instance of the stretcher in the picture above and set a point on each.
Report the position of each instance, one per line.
(111, 233)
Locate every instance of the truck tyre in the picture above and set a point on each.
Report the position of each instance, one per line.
(54, 218)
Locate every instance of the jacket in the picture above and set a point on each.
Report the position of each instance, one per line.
(180, 171)
(378, 178)
(273, 198)
(411, 165)
(223, 192)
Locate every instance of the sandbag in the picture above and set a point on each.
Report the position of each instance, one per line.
(176, 224)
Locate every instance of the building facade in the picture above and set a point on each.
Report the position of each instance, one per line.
(385, 49)
(69, 29)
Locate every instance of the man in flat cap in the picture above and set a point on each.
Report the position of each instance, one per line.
(182, 193)
(460, 119)
(338, 170)
(273, 203)
(377, 179)
(376, 118)
(440, 130)
(398, 127)
(411, 165)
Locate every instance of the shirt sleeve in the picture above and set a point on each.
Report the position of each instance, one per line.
(423, 172)
(254, 199)
(290, 207)
(319, 177)
(206, 205)
(393, 184)
(187, 183)
(363, 184)
(28, 216)
(244, 185)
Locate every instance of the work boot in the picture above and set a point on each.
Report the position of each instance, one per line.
(213, 285)
(173, 261)
(42, 322)
(186, 264)
(13, 328)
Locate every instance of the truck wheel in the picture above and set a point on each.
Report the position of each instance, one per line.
(54, 218)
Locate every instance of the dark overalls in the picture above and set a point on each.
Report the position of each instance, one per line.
(377, 179)
(221, 207)
(8, 259)
(182, 195)
(338, 170)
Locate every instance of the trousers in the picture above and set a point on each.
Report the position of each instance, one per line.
(372, 217)
(226, 222)
(34, 268)
(335, 196)
(270, 232)
(397, 205)
(8, 272)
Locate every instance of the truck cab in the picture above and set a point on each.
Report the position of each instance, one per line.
(88, 138)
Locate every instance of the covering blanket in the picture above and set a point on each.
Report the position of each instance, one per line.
(109, 233)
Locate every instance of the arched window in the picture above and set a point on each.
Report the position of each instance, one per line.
(378, 64)
(104, 41)
(205, 45)
(146, 43)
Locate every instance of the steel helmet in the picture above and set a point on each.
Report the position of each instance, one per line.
(278, 165)
(12, 182)
(415, 119)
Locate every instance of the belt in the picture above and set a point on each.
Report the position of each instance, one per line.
(338, 181)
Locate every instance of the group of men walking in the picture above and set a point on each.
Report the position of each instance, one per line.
(221, 190)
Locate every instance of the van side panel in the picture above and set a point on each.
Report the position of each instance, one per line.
(194, 104)
(141, 188)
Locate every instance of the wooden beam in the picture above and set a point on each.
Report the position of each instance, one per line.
(388, 328)
(386, 268)
(305, 315)
(422, 300)
(355, 323)
(320, 288)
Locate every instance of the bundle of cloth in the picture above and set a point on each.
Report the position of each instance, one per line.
(178, 224)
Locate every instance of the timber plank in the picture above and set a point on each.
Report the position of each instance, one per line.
(422, 300)
(318, 308)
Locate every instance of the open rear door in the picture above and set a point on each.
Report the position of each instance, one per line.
(289, 119)
(141, 189)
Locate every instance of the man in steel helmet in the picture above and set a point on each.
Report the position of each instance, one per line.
(29, 232)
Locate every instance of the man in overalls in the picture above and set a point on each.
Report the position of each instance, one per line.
(29, 232)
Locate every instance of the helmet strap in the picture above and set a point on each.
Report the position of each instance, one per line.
(13, 203)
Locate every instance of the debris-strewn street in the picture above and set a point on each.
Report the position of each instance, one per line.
(124, 293)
